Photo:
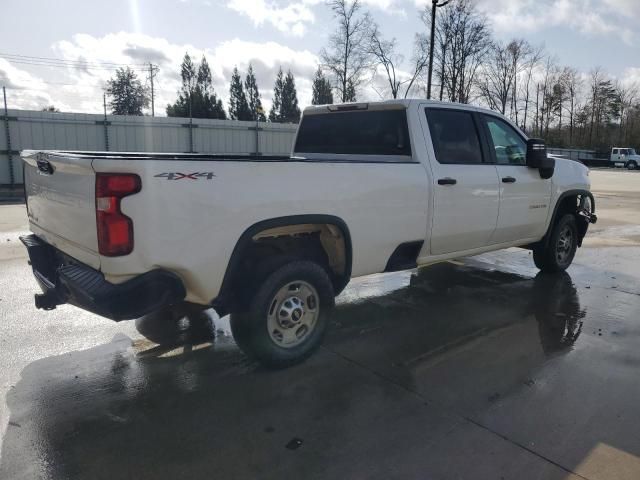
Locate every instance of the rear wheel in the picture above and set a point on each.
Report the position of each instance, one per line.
(561, 247)
(287, 315)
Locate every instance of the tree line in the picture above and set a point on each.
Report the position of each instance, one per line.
(520, 80)
(197, 97)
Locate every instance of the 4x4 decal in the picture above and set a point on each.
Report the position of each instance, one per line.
(188, 176)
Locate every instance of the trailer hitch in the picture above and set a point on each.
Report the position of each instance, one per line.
(46, 301)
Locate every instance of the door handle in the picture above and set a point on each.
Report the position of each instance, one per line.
(508, 180)
(447, 181)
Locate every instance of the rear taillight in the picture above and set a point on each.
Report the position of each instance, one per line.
(115, 229)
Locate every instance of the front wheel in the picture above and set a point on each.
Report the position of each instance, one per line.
(632, 165)
(287, 316)
(558, 254)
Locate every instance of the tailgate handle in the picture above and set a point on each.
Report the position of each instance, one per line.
(45, 167)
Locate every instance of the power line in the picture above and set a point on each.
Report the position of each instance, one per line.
(150, 69)
(76, 66)
(54, 83)
(66, 61)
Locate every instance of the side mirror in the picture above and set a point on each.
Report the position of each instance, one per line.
(537, 157)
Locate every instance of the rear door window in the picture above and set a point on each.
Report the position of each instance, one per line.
(455, 136)
(381, 132)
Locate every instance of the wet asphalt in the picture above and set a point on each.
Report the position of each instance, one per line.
(481, 368)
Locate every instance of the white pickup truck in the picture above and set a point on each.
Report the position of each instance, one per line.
(370, 187)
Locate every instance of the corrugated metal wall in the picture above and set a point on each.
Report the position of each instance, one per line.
(573, 153)
(78, 131)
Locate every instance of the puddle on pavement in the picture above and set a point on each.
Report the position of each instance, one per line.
(459, 334)
(446, 305)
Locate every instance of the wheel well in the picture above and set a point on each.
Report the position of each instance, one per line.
(573, 203)
(267, 245)
(568, 204)
(319, 241)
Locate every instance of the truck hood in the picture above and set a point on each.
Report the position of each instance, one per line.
(570, 175)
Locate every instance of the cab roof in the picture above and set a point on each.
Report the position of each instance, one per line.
(396, 104)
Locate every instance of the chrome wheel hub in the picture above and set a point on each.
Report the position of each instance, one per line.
(293, 314)
(564, 245)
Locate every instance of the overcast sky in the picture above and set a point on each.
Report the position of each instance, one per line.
(269, 34)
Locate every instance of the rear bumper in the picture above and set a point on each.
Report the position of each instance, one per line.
(64, 280)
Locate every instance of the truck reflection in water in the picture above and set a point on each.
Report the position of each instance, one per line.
(556, 307)
(453, 309)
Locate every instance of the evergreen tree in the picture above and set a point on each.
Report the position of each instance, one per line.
(181, 108)
(126, 93)
(253, 97)
(197, 95)
(188, 74)
(350, 93)
(238, 106)
(289, 111)
(206, 103)
(276, 105)
(322, 94)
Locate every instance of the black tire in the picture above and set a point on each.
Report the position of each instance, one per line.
(632, 165)
(561, 248)
(251, 328)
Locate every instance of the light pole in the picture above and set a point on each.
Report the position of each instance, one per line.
(434, 5)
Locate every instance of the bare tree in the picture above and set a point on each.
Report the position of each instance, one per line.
(497, 81)
(519, 52)
(533, 60)
(572, 83)
(596, 80)
(385, 55)
(463, 39)
(545, 107)
(348, 55)
(628, 96)
(442, 40)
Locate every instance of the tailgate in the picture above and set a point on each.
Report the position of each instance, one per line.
(60, 195)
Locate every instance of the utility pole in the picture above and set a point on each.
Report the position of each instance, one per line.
(12, 179)
(190, 122)
(434, 6)
(257, 113)
(106, 132)
(152, 73)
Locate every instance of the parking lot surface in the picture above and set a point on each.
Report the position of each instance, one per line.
(480, 368)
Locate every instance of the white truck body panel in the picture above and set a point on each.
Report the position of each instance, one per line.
(190, 227)
(61, 205)
(524, 205)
